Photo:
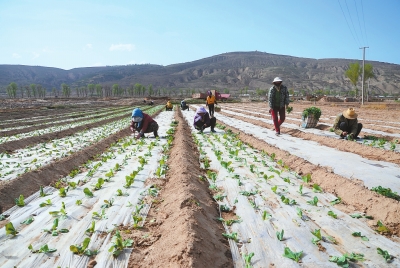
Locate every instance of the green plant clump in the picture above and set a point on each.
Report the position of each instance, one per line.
(386, 192)
(316, 112)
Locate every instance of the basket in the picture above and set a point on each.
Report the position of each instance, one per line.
(217, 109)
(309, 121)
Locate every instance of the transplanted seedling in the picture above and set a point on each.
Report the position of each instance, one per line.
(343, 260)
(87, 192)
(62, 192)
(43, 249)
(382, 228)
(10, 230)
(119, 244)
(336, 201)
(91, 229)
(247, 259)
(28, 220)
(46, 203)
(385, 254)
(317, 188)
(41, 192)
(99, 184)
(266, 215)
(332, 214)
(20, 201)
(99, 216)
(232, 236)
(306, 178)
(314, 201)
(224, 208)
(229, 222)
(53, 231)
(120, 193)
(318, 237)
(108, 203)
(83, 249)
(296, 256)
(59, 213)
(279, 235)
(358, 234)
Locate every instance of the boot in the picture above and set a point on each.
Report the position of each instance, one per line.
(212, 130)
(155, 134)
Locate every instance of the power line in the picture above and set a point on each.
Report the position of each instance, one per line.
(359, 24)
(347, 22)
(365, 29)
(355, 32)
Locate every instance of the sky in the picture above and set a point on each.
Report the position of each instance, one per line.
(69, 34)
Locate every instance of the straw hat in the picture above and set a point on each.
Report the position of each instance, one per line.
(350, 113)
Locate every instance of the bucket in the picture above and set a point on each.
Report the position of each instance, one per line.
(217, 109)
(309, 121)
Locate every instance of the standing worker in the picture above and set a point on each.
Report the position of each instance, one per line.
(278, 98)
(210, 103)
(346, 125)
(143, 123)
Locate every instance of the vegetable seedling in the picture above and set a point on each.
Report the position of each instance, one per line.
(10, 230)
(219, 197)
(99, 184)
(385, 254)
(301, 189)
(43, 249)
(274, 188)
(279, 235)
(91, 229)
(28, 220)
(247, 259)
(119, 244)
(62, 192)
(108, 203)
(120, 193)
(266, 215)
(332, 214)
(87, 192)
(224, 208)
(232, 236)
(20, 201)
(46, 203)
(83, 249)
(318, 237)
(101, 215)
(358, 234)
(336, 201)
(78, 202)
(317, 188)
(41, 192)
(306, 178)
(296, 256)
(382, 228)
(313, 202)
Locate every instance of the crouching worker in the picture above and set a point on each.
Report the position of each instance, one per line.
(202, 120)
(346, 124)
(169, 106)
(184, 106)
(143, 123)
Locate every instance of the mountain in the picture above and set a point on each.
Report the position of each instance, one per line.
(233, 71)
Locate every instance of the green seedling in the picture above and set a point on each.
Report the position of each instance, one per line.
(332, 214)
(108, 203)
(129, 180)
(343, 260)
(224, 208)
(62, 192)
(252, 168)
(219, 197)
(142, 161)
(386, 192)
(266, 215)
(225, 164)
(287, 180)
(382, 228)
(266, 177)
(10, 230)
(59, 213)
(296, 256)
(91, 229)
(212, 176)
(279, 235)
(229, 222)
(42, 193)
(109, 174)
(3, 217)
(206, 163)
(287, 201)
(136, 220)
(46, 203)
(232, 236)
(301, 189)
(87, 192)
(385, 254)
(72, 184)
(83, 249)
(336, 201)
(152, 191)
(43, 249)
(317, 188)
(120, 193)
(271, 169)
(101, 215)
(20, 201)
(53, 231)
(28, 220)
(299, 212)
(358, 234)
(356, 215)
(119, 244)
(272, 156)
(213, 187)
(99, 184)
(306, 178)
(274, 188)
(313, 202)
(246, 193)
(247, 259)
(318, 237)
(78, 202)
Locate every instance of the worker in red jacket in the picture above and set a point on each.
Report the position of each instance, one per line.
(143, 123)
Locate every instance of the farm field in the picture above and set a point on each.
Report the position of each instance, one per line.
(241, 197)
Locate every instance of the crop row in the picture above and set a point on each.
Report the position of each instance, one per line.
(79, 219)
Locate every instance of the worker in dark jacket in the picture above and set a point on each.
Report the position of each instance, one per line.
(184, 105)
(346, 124)
(278, 98)
(143, 123)
(202, 120)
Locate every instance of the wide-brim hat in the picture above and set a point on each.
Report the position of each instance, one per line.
(350, 113)
(277, 79)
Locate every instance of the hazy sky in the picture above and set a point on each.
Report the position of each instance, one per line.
(71, 33)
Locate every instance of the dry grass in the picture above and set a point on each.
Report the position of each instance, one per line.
(381, 106)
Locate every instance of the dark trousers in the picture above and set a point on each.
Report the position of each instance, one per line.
(152, 127)
(344, 127)
(211, 109)
(274, 114)
(186, 107)
(199, 124)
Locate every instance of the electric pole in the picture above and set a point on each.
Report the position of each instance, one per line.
(362, 85)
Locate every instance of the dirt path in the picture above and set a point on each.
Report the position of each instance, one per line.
(185, 228)
(355, 196)
(342, 145)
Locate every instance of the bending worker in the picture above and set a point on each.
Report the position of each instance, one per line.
(169, 106)
(143, 123)
(184, 106)
(202, 120)
(346, 124)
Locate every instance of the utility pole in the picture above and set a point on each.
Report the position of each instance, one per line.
(362, 85)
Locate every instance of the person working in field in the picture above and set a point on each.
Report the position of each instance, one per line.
(169, 106)
(346, 124)
(278, 98)
(210, 101)
(184, 106)
(202, 120)
(143, 123)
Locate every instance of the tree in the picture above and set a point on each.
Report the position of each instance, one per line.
(115, 90)
(91, 88)
(66, 90)
(353, 73)
(33, 89)
(150, 90)
(99, 90)
(226, 91)
(12, 90)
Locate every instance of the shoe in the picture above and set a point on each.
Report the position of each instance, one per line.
(277, 133)
(212, 130)
(155, 134)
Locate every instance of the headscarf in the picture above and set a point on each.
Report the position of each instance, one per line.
(136, 115)
(198, 115)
